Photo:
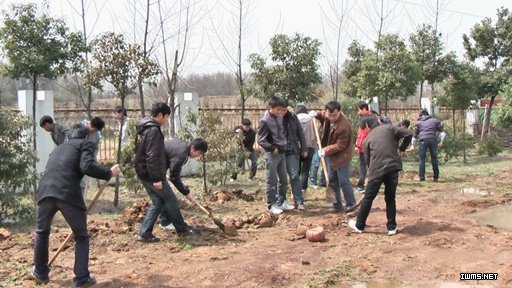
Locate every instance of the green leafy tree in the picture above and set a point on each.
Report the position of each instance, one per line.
(351, 68)
(426, 50)
(122, 65)
(293, 71)
(491, 43)
(389, 74)
(35, 45)
(16, 172)
(502, 115)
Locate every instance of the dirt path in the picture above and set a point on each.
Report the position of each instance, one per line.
(438, 239)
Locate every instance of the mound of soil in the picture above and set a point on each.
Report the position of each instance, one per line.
(136, 213)
(222, 196)
(4, 233)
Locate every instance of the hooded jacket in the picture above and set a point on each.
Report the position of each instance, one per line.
(362, 133)
(66, 167)
(150, 160)
(427, 127)
(306, 122)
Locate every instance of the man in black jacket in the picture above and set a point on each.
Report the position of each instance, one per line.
(59, 190)
(382, 156)
(178, 153)
(151, 167)
(249, 137)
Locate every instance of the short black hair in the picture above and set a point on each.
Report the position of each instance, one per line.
(370, 121)
(332, 106)
(362, 105)
(97, 123)
(300, 109)
(45, 119)
(160, 107)
(120, 110)
(406, 123)
(200, 144)
(247, 122)
(78, 131)
(277, 102)
(424, 113)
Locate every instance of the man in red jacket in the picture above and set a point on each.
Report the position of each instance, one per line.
(363, 111)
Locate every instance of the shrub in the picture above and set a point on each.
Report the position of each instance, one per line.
(455, 148)
(16, 168)
(128, 159)
(490, 147)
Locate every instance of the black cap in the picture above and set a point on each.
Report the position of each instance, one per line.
(246, 122)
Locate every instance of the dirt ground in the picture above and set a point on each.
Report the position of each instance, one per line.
(439, 238)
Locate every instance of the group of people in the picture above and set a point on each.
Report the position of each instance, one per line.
(289, 145)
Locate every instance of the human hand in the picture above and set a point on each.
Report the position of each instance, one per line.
(312, 113)
(411, 148)
(158, 185)
(401, 153)
(304, 154)
(441, 144)
(238, 130)
(321, 153)
(190, 198)
(115, 170)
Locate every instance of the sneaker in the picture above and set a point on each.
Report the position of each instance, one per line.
(39, 280)
(188, 231)
(392, 232)
(301, 207)
(275, 210)
(87, 283)
(360, 189)
(168, 227)
(285, 206)
(149, 240)
(352, 225)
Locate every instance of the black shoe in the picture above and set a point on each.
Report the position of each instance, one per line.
(37, 278)
(149, 240)
(436, 180)
(87, 283)
(188, 231)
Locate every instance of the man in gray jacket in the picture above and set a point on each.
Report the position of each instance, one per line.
(306, 122)
(57, 130)
(425, 131)
(382, 156)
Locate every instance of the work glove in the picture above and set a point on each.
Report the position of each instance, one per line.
(321, 153)
(312, 113)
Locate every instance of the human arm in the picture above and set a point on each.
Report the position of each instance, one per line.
(88, 164)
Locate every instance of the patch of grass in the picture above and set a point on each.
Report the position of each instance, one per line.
(332, 276)
(183, 244)
(18, 270)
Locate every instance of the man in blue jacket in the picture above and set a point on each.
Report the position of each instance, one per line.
(425, 132)
(59, 190)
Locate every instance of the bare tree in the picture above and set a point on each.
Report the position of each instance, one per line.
(239, 10)
(334, 20)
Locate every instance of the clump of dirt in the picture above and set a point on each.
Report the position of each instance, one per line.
(136, 213)
(488, 202)
(4, 234)
(222, 196)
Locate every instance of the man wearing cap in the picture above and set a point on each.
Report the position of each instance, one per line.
(249, 137)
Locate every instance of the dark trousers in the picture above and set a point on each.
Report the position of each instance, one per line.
(362, 170)
(77, 220)
(390, 181)
(241, 161)
(305, 166)
(430, 145)
(162, 201)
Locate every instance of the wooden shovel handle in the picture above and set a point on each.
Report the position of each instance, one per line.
(322, 160)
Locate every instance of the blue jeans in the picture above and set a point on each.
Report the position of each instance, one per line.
(340, 178)
(314, 171)
(292, 168)
(77, 220)
(431, 145)
(276, 182)
(305, 166)
(362, 170)
(162, 201)
(241, 161)
(390, 181)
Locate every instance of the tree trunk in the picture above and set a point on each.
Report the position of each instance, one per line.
(487, 118)
(34, 134)
(433, 98)
(141, 101)
(464, 136)
(421, 92)
(205, 184)
(118, 161)
(172, 90)
(453, 123)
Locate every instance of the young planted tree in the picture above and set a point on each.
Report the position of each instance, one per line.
(122, 65)
(502, 115)
(389, 74)
(351, 68)
(35, 45)
(426, 50)
(490, 42)
(293, 71)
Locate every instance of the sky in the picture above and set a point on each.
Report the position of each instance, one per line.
(211, 23)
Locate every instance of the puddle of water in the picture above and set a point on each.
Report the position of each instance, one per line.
(475, 191)
(499, 217)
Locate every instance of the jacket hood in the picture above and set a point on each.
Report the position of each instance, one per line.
(145, 124)
(424, 117)
(304, 118)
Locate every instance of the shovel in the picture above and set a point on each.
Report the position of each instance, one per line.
(61, 248)
(209, 213)
(329, 192)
